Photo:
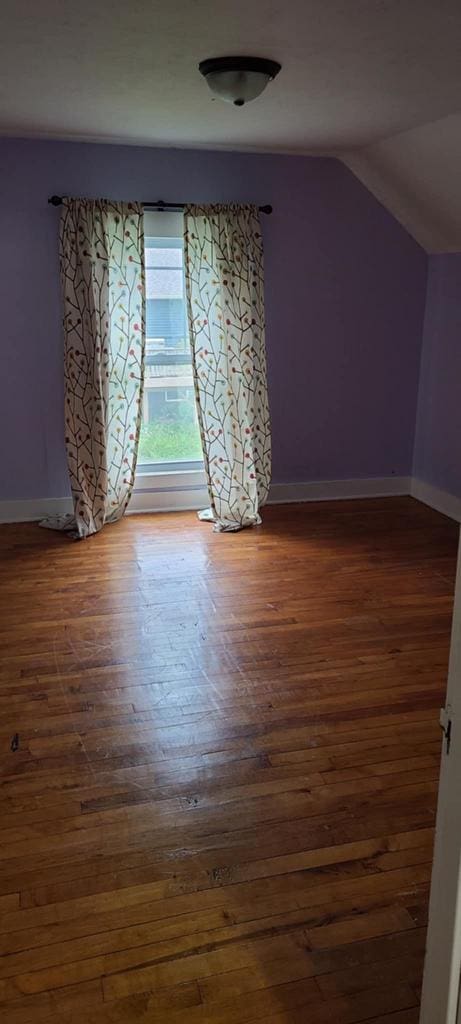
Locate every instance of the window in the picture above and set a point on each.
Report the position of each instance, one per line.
(170, 435)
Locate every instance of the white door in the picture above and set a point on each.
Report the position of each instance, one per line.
(441, 984)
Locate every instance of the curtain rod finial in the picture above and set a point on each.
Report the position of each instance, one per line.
(55, 200)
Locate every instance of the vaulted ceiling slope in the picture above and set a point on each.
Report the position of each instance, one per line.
(354, 72)
(417, 176)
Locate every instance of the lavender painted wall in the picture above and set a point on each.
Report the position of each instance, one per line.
(437, 458)
(345, 291)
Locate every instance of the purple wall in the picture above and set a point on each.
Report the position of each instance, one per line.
(344, 304)
(438, 435)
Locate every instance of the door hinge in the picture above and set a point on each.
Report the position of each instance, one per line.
(446, 725)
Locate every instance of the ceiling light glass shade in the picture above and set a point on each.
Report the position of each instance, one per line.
(238, 80)
(237, 87)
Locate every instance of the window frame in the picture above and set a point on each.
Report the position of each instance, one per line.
(167, 227)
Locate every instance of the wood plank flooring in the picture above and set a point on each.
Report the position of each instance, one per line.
(219, 760)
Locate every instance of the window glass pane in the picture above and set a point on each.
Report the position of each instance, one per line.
(169, 431)
(163, 255)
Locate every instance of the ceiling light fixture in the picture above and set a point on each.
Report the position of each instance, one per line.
(238, 80)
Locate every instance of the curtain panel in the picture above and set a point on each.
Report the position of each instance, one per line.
(225, 297)
(102, 276)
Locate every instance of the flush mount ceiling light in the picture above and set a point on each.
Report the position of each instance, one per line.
(238, 80)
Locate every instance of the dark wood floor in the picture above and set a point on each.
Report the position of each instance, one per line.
(221, 804)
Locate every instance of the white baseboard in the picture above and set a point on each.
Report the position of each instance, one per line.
(176, 500)
(28, 510)
(192, 496)
(189, 492)
(170, 491)
(336, 490)
(142, 501)
(441, 501)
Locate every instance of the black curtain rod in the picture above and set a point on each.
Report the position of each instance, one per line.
(159, 205)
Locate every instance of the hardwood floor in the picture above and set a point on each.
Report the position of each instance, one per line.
(219, 766)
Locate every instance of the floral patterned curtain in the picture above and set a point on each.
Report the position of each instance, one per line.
(225, 296)
(102, 275)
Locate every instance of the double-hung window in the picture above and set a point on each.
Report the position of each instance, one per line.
(170, 438)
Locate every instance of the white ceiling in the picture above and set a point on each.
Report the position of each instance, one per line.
(354, 71)
(375, 82)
